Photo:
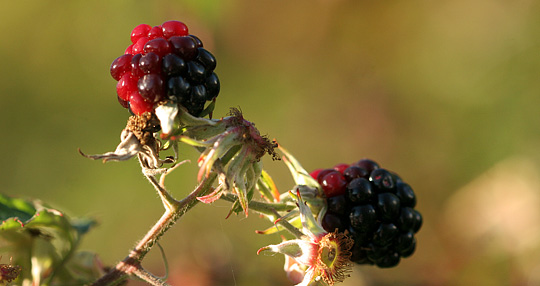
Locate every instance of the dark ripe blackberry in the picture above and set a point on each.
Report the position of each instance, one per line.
(338, 205)
(173, 65)
(160, 46)
(184, 46)
(388, 207)
(207, 59)
(382, 179)
(379, 216)
(406, 195)
(151, 87)
(360, 191)
(363, 218)
(367, 164)
(197, 41)
(408, 252)
(417, 221)
(359, 255)
(150, 63)
(333, 221)
(385, 233)
(354, 172)
(405, 242)
(198, 94)
(212, 86)
(136, 72)
(196, 72)
(391, 259)
(179, 87)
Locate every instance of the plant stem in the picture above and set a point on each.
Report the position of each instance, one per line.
(174, 210)
(261, 207)
(270, 209)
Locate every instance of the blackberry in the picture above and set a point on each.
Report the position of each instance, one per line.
(375, 207)
(165, 62)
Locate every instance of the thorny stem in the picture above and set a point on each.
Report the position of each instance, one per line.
(131, 265)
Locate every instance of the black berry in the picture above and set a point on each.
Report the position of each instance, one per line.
(376, 209)
(164, 62)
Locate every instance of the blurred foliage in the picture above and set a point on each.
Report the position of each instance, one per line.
(440, 92)
(43, 244)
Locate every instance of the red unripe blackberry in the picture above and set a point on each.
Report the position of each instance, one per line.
(155, 32)
(125, 86)
(341, 167)
(333, 184)
(165, 63)
(138, 47)
(120, 66)
(174, 28)
(138, 105)
(139, 32)
(375, 207)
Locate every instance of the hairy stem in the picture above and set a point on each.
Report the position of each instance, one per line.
(131, 265)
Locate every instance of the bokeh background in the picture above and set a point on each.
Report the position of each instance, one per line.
(445, 93)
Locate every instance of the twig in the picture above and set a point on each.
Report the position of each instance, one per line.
(132, 262)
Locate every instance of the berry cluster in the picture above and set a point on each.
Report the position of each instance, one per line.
(375, 207)
(164, 62)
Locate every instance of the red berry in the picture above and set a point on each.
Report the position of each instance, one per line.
(125, 86)
(122, 102)
(159, 46)
(139, 32)
(323, 173)
(138, 105)
(129, 50)
(174, 28)
(155, 33)
(136, 72)
(333, 184)
(139, 45)
(150, 63)
(315, 173)
(120, 66)
(341, 167)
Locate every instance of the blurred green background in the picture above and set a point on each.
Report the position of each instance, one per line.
(445, 93)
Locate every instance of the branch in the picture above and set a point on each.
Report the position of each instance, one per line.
(131, 265)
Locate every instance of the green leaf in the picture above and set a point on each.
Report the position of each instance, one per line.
(15, 208)
(41, 240)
